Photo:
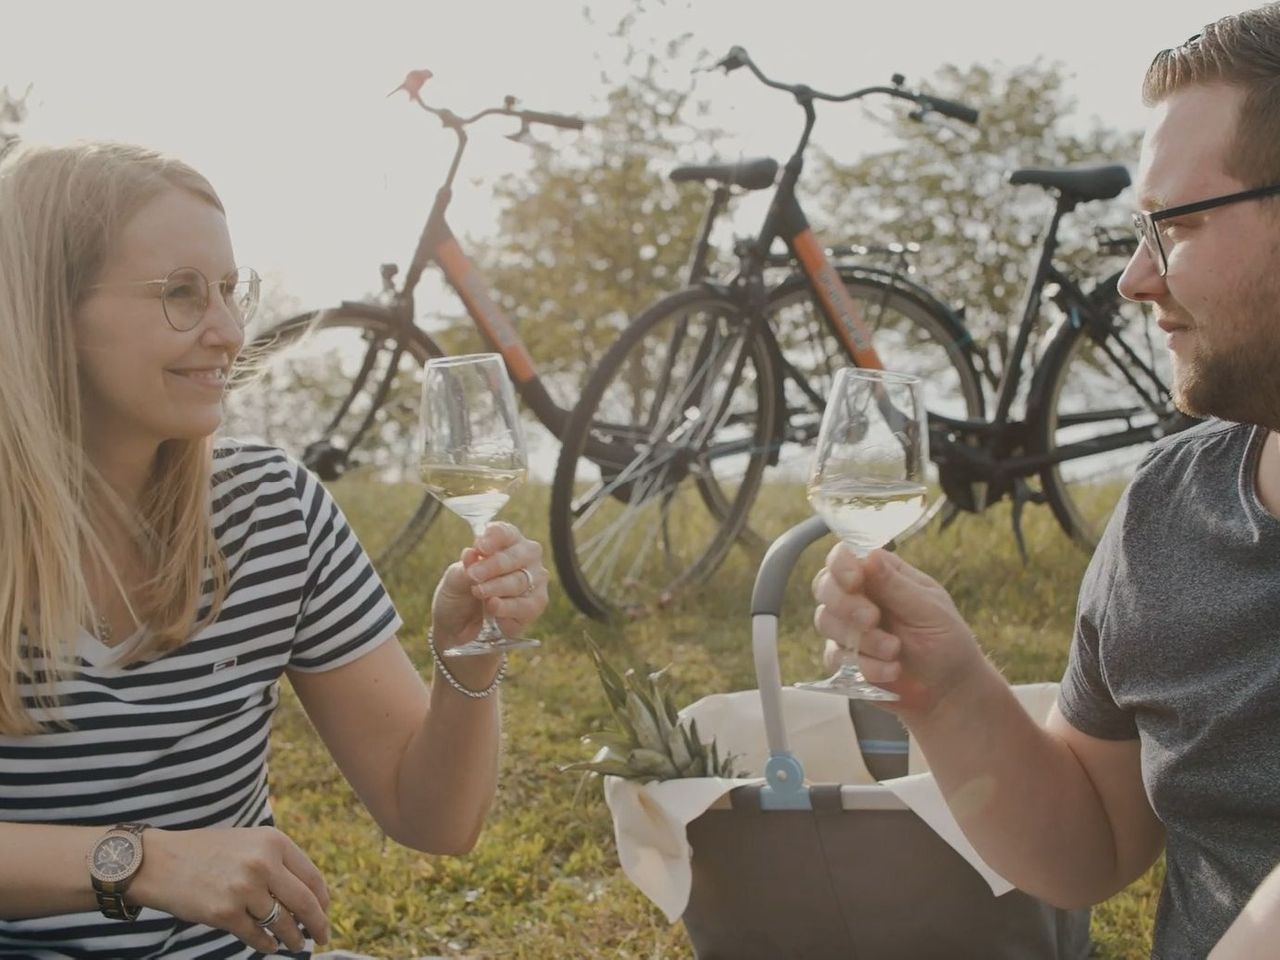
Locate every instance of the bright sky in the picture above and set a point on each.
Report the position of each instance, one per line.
(283, 104)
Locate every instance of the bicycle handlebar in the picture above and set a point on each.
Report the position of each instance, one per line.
(551, 119)
(414, 81)
(738, 57)
(948, 108)
(526, 117)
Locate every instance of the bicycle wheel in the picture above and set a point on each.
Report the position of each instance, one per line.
(1105, 380)
(680, 409)
(912, 334)
(314, 386)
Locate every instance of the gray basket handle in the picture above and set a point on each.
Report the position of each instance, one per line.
(785, 775)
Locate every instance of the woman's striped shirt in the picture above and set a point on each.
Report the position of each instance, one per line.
(180, 741)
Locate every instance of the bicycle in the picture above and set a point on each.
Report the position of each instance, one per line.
(709, 387)
(713, 384)
(352, 371)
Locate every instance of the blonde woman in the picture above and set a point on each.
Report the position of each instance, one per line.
(155, 585)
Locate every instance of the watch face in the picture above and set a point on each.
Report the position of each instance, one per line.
(114, 857)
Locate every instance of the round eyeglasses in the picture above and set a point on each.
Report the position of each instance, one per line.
(184, 294)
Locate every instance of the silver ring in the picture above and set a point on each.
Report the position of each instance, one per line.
(528, 576)
(271, 917)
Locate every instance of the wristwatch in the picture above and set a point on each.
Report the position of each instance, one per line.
(113, 863)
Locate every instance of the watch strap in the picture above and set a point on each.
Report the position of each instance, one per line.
(110, 894)
(113, 906)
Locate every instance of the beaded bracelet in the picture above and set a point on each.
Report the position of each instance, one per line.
(456, 683)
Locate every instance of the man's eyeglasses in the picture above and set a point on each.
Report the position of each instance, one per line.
(1149, 233)
(184, 294)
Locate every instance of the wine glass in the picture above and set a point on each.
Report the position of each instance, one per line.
(471, 455)
(868, 478)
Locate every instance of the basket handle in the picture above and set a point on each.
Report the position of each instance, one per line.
(784, 774)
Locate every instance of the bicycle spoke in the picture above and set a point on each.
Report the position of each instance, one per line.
(598, 558)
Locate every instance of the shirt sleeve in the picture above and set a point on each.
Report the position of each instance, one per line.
(345, 611)
(1084, 696)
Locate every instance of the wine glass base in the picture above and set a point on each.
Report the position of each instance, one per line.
(846, 687)
(480, 648)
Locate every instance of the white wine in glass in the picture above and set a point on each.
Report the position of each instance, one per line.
(868, 478)
(473, 493)
(471, 455)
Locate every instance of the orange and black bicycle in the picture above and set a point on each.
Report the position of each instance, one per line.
(719, 383)
(338, 388)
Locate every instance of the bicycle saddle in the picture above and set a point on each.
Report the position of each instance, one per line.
(1078, 183)
(754, 174)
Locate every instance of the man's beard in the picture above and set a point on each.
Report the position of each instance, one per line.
(1239, 382)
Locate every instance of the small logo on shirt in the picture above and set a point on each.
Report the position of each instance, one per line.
(225, 664)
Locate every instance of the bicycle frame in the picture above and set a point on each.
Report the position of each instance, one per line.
(786, 219)
(495, 327)
(438, 245)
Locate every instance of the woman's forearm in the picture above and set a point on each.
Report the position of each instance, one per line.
(45, 870)
(449, 772)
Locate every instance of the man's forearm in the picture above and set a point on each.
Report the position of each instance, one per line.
(1020, 794)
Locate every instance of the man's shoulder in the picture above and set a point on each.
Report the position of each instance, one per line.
(1203, 431)
(1192, 467)
(1207, 437)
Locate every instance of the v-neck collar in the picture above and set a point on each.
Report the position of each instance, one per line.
(106, 656)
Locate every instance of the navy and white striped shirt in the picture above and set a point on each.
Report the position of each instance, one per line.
(180, 741)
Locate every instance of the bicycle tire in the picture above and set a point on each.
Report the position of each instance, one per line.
(912, 332)
(312, 361)
(683, 399)
(1105, 371)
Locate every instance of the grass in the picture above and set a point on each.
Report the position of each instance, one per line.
(544, 880)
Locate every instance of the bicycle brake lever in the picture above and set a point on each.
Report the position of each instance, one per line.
(522, 135)
(735, 58)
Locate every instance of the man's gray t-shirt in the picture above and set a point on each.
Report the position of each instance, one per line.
(1177, 643)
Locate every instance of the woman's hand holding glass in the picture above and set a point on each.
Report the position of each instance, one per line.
(472, 457)
(502, 577)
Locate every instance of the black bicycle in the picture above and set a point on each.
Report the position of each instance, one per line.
(705, 406)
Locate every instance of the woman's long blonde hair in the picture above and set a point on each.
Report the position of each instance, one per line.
(61, 209)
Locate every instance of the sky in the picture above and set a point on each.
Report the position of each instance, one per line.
(283, 105)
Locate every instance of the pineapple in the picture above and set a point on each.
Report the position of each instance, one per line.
(652, 743)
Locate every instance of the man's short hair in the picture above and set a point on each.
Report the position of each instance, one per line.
(1242, 51)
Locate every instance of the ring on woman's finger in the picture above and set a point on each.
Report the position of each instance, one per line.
(529, 577)
(271, 917)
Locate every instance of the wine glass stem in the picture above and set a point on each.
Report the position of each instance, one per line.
(490, 631)
(849, 659)
(849, 670)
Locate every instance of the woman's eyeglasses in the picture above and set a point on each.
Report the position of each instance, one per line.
(184, 294)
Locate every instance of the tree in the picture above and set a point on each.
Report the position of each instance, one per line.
(597, 231)
(13, 110)
(946, 189)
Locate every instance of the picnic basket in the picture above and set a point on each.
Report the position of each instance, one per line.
(821, 871)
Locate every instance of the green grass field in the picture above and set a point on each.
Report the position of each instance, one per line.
(544, 881)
